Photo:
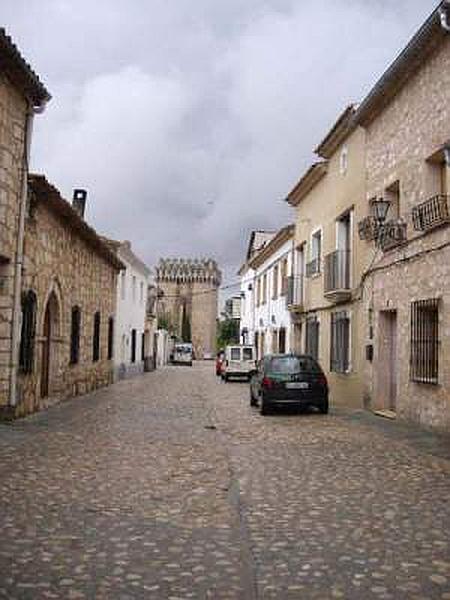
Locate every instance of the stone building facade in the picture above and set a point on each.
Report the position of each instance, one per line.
(22, 95)
(68, 302)
(389, 305)
(188, 299)
(407, 292)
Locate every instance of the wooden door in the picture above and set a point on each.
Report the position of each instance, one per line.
(393, 361)
(387, 361)
(45, 366)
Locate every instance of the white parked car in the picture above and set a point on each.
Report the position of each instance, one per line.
(182, 354)
(239, 361)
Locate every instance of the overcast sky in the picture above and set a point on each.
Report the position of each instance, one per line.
(189, 121)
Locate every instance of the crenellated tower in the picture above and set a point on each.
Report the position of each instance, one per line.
(188, 299)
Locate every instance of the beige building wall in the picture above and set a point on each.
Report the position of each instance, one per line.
(59, 262)
(340, 190)
(400, 141)
(12, 133)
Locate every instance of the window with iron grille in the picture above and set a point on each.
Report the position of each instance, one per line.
(424, 358)
(282, 340)
(133, 345)
(110, 338)
(312, 332)
(96, 338)
(264, 289)
(275, 282)
(340, 342)
(28, 332)
(75, 335)
(284, 277)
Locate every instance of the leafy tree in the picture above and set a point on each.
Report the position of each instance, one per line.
(227, 332)
(165, 322)
(186, 327)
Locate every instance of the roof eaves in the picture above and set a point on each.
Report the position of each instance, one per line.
(429, 36)
(342, 128)
(51, 197)
(307, 182)
(20, 72)
(284, 234)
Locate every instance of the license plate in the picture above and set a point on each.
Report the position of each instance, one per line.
(297, 385)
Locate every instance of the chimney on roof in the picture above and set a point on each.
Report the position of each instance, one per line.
(79, 202)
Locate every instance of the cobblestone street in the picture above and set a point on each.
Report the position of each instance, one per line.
(170, 486)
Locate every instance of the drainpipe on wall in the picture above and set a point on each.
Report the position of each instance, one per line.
(444, 15)
(18, 264)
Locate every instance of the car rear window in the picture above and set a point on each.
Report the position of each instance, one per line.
(293, 364)
(235, 354)
(247, 353)
(183, 349)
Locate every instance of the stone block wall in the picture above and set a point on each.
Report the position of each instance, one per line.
(59, 261)
(12, 136)
(204, 319)
(399, 144)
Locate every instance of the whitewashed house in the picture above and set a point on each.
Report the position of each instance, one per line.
(265, 318)
(130, 344)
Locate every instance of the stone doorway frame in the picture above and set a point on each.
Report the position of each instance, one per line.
(51, 338)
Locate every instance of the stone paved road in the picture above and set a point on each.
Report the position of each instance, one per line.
(170, 486)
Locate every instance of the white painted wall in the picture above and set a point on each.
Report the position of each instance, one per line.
(272, 315)
(247, 323)
(130, 312)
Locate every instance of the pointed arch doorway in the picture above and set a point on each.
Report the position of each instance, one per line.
(50, 331)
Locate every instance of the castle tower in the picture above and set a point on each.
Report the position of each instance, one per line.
(188, 299)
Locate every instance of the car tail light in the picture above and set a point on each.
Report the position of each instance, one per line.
(267, 383)
(322, 380)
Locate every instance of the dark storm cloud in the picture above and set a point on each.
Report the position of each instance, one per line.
(189, 121)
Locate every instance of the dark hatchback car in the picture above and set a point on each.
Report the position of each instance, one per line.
(288, 380)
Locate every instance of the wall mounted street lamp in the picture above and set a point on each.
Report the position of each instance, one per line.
(447, 154)
(381, 207)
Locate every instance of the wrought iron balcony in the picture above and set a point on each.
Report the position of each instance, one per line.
(294, 296)
(431, 213)
(368, 228)
(313, 267)
(337, 275)
(391, 234)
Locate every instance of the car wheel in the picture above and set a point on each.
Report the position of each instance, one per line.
(324, 406)
(265, 407)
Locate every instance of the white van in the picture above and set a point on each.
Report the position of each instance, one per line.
(182, 354)
(239, 361)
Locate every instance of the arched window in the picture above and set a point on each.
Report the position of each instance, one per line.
(110, 338)
(75, 335)
(28, 333)
(96, 338)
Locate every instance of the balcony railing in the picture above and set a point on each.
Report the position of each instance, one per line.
(432, 213)
(368, 228)
(294, 296)
(313, 267)
(337, 274)
(392, 234)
